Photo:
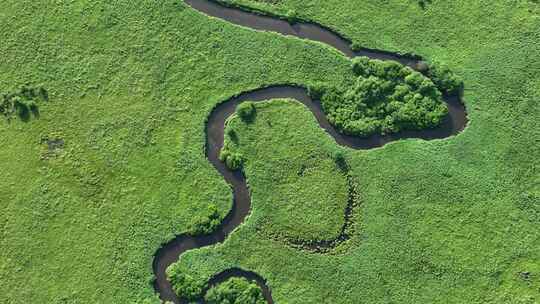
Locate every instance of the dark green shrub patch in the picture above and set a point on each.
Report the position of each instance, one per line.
(423, 3)
(444, 78)
(231, 133)
(22, 102)
(235, 291)
(316, 91)
(387, 97)
(339, 158)
(246, 111)
(206, 224)
(185, 285)
(233, 160)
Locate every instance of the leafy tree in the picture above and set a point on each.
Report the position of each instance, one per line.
(235, 291)
(233, 160)
(386, 97)
(183, 284)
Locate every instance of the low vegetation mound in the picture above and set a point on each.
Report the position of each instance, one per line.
(386, 97)
(235, 291)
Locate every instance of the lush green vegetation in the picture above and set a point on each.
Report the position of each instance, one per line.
(232, 291)
(233, 160)
(446, 80)
(246, 111)
(131, 85)
(387, 97)
(451, 221)
(309, 192)
(235, 291)
(206, 223)
(184, 284)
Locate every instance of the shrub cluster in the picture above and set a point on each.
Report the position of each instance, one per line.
(22, 102)
(316, 91)
(444, 78)
(339, 159)
(206, 224)
(233, 160)
(235, 291)
(246, 111)
(386, 97)
(184, 285)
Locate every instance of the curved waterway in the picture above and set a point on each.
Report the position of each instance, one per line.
(455, 122)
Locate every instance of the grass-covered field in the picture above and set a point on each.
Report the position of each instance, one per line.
(130, 86)
(309, 191)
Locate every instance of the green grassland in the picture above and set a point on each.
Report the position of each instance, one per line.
(309, 192)
(130, 85)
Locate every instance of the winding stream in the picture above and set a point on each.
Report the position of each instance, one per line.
(170, 252)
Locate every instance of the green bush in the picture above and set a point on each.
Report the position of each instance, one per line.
(423, 3)
(233, 160)
(444, 78)
(316, 91)
(184, 285)
(22, 102)
(386, 97)
(235, 291)
(246, 111)
(390, 70)
(206, 224)
(339, 159)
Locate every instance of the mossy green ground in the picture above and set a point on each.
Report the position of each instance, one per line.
(131, 84)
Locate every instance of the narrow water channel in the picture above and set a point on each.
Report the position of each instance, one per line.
(454, 123)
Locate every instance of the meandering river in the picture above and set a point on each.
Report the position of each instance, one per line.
(454, 123)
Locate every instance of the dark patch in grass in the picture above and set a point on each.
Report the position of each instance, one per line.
(23, 103)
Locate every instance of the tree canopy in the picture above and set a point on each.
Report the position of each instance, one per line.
(235, 291)
(386, 97)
